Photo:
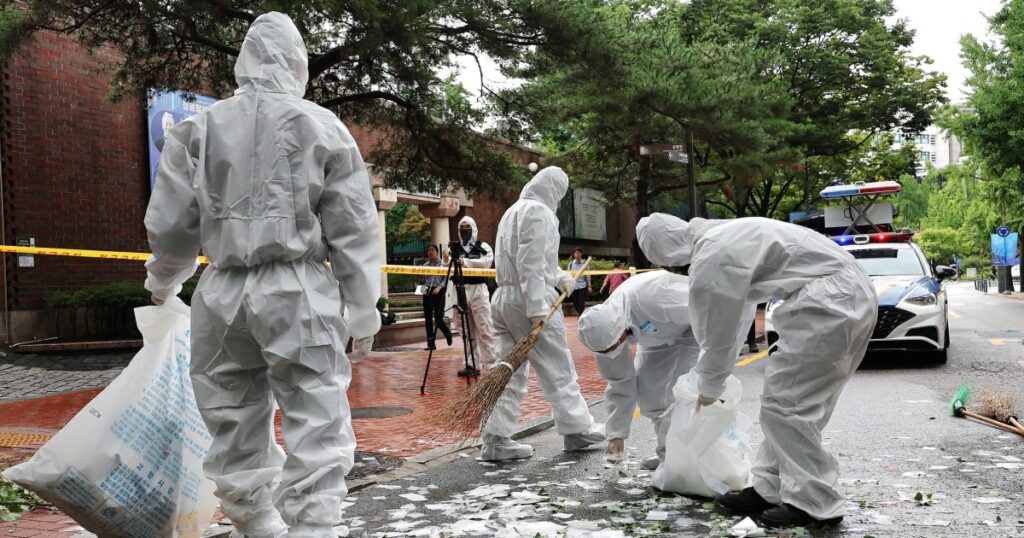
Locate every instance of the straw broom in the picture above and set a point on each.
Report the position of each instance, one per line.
(1000, 406)
(464, 417)
(958, 408)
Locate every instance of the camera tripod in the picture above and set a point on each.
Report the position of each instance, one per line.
(462, 307)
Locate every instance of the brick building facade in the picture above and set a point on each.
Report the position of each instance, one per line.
(73, 173)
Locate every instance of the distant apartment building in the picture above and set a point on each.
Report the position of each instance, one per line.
(933, 146)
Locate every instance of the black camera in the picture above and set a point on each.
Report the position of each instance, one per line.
(456, 251)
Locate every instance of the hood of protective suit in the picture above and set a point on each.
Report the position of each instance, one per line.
(273, 57)
(472, 224)
(668, 241)
(547, 187)
(600, 326)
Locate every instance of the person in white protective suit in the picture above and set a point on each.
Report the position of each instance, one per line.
(479, 255)
(824, 327)
(650, 309)
(526, 260)
(271, 187)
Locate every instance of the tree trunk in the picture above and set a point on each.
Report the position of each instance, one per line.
(642, 204)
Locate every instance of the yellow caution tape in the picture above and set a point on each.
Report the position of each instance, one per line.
(80, 253)
(432, 271)
(142, 256)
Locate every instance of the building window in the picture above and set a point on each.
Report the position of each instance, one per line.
(922, 139)
(924, 156)
(931, 139)
(932, 157)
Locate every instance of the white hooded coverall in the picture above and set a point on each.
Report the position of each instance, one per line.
(824, 328)
(270, 186)
(478, 299)
(654, 306)
(526, 261)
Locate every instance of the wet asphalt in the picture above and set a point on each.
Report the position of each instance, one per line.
(907, 467)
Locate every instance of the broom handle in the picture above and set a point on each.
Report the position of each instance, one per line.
(1013, 420)
(991, 422)
(558, 302)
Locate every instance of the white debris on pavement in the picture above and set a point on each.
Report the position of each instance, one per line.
(746, 529)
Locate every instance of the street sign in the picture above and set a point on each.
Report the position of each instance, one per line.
(1003, 231)
(1004, 250)
(652, 149)
(679, 156)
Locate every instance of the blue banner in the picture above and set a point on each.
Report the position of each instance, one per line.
(165, 110)
(1004, 250)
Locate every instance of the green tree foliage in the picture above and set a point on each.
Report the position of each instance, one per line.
(962, 204)
(991, 124)
(914, 200)
(377, 63)
(846, 70)
(403, 223)
(941, 244)
(797, 188)
(414, 227)
(768, 87)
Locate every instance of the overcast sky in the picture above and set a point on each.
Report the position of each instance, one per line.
(938, 25)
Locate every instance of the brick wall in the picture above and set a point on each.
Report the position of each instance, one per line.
(74, 168)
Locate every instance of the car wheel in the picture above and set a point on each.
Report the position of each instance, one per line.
(940, 356)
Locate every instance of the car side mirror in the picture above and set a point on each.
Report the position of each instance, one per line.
(944, 272)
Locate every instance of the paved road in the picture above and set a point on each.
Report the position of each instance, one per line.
(891, 432)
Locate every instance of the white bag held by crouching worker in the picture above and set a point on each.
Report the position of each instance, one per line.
(131, 462)
(707, 453)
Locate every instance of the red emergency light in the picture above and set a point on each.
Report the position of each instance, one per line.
(887, 237)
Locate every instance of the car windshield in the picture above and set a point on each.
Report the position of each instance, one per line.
(888, 261)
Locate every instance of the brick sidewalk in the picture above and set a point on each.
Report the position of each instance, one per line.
(389, 380)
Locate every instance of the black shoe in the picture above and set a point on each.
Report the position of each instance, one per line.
(788, 515)
(753, 349)
(747, 502)
(430, 347)
(448, 337)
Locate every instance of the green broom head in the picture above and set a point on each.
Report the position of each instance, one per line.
(959, 401)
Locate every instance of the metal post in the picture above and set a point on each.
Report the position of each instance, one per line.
(692, 188)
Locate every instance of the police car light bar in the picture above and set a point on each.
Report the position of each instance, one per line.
(861, 188)
(901, 237)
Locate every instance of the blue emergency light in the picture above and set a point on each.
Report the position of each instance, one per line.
(894, 237)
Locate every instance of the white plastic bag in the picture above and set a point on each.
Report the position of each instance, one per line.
(130, 463)
(707, 453)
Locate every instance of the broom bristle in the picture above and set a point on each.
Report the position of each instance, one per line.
(996, 404)
(463, 418)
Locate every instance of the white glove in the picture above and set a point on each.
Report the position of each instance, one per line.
(566, 282)
(364, 324)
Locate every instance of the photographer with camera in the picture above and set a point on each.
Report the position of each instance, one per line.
(476, 254)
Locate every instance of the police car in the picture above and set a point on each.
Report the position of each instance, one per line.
(912, 311)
